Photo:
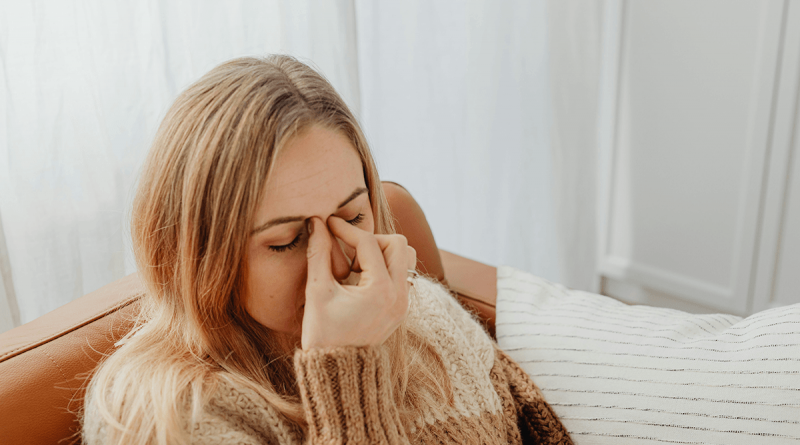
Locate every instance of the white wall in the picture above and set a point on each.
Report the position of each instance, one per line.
(697, 103)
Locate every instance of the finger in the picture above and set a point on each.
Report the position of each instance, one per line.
(395, 253)
(351, 257)
(340, 260)
(318, 253)
(383, 243)
(412, 262)
(369, 255)
(412, 258)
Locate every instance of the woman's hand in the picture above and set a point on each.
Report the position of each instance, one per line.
(364, 314)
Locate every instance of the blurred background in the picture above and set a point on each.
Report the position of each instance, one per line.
(645, 149)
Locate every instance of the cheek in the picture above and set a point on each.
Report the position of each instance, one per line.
(275, 289)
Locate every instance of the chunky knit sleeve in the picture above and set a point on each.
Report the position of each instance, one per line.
(347, 396)
(526, 412)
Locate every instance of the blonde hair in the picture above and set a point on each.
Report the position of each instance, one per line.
(191, 219)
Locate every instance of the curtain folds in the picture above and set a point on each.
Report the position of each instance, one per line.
(9, 311)
(456, 98)
(83, 86)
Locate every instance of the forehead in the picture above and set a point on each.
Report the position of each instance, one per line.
(311, 175)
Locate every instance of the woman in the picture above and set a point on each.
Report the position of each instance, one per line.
(280, 306)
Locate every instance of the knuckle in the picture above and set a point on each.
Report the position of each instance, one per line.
(362, 236)
(400, 239)
(371, 240)
(394, 239)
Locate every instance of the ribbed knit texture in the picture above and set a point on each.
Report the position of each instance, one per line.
(347, 396)
(347, 393)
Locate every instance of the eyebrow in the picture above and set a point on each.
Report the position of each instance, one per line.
(288, 219)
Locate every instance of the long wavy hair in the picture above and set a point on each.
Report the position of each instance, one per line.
(191, 219)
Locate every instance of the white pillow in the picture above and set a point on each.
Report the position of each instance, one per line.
(619, 374)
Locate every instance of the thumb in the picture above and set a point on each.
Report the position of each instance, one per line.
(318, 252)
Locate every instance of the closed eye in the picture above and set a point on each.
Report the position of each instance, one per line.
(357, 220)
(286, 247)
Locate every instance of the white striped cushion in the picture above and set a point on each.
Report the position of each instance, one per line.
(619, 374)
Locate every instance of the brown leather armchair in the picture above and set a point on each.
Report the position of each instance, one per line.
(45, 364)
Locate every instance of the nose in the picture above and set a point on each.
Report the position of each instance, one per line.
(340, 259)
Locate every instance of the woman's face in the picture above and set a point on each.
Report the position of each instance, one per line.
(317, 173)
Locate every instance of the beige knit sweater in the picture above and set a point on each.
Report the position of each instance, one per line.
(346, 393)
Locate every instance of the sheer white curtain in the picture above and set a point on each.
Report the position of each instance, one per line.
(456, 99)
(83, 86)
(486, 111)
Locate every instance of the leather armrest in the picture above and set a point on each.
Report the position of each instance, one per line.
(475, 284)
(410, 222)
(44, 363)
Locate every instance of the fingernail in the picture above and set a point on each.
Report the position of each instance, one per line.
(309, 226)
